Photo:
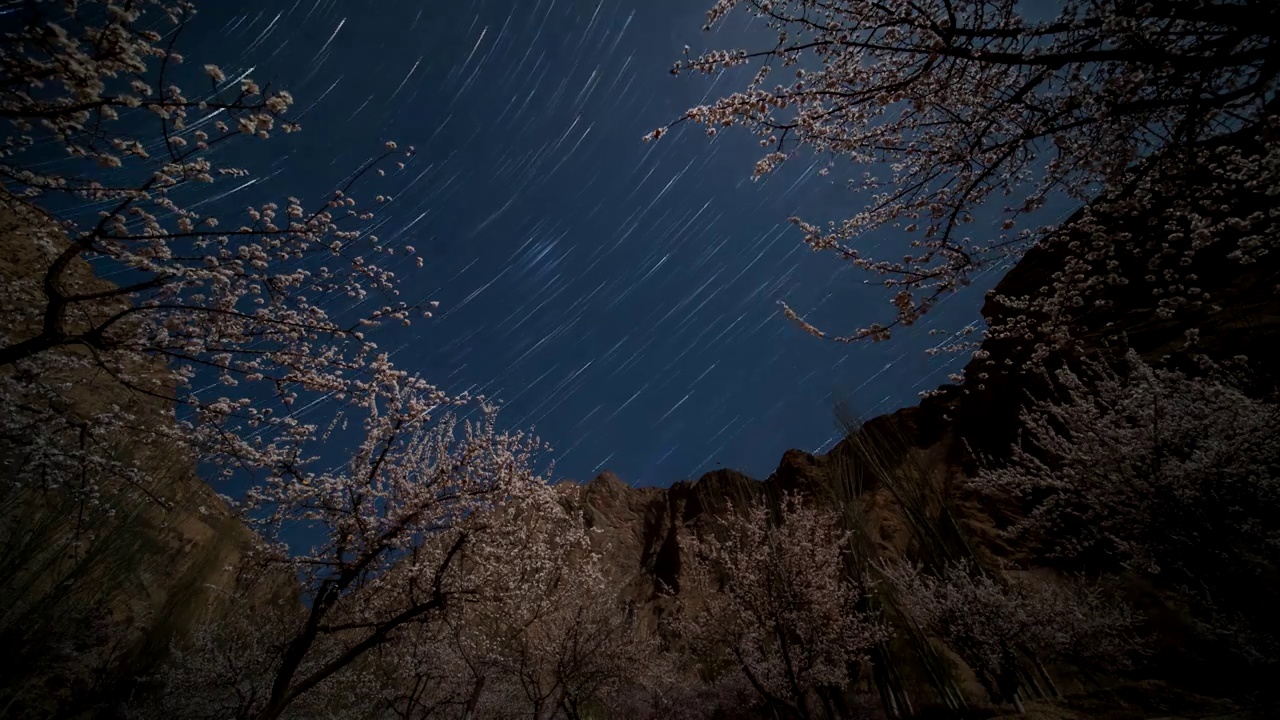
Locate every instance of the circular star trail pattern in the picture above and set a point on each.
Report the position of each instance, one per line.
(620, 297)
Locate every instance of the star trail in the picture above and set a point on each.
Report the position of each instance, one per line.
(619, 297)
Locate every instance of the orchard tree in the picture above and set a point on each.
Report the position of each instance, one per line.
(951, 111)
(394, 524)
(550, 635)
(223, 669)
(108, 171)
(1134, 467)
(774, 600)
(1001, 625)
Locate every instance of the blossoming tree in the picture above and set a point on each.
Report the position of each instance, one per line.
(1149, 469)
(996, 624)
(774, 601)
(103, 175)
(408, 528)
(955, 110)
(548, 637)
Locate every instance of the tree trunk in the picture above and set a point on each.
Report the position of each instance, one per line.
(1017, 703)
(473, 700)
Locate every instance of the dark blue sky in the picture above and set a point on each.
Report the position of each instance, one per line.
(620, 297)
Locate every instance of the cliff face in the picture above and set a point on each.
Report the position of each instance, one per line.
(641, 531)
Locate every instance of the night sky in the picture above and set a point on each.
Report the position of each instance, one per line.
(620, 297)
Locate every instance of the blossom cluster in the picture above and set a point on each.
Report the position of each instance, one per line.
(248, 304)
(949, 111)
(1158, 472)
(1123, 448)
(995, 623)
(778, 602)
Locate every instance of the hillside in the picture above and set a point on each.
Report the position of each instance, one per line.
(91, 600)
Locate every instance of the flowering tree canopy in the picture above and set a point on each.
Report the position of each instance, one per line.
(395, 524)
(994, 624)
(417, 523)
(1152, 470)
(779, 604)
(1123, 450)
(949, 105)
(101, 127)
(545, 634)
